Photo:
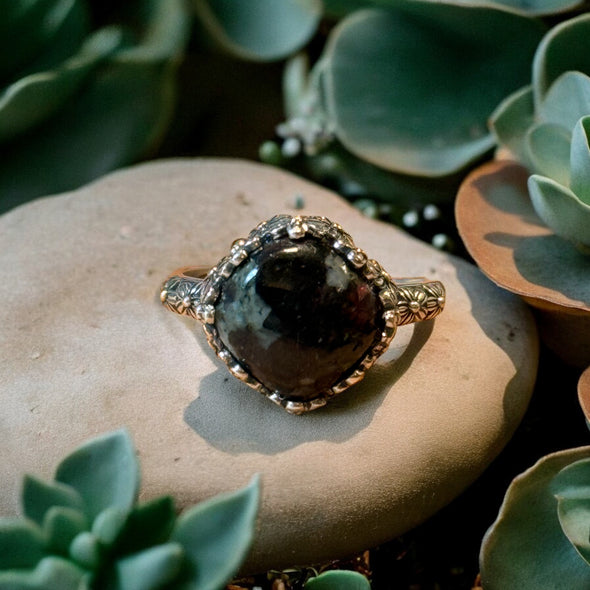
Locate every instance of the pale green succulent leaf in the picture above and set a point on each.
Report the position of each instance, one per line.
(22, 543)
(525, 548)
(560, 209)
(216, 536)
(338, 580)
(104, 471)
(511, 121)
(337, 167)
(29, 29)
(107, 525)
(566, 47)
(39, 496)
(580, 160)
(150, 569)
(165, 29)
(260, 29)
(61, 525)
(119, 115)
(571, 487)
(567, 100)
(52, 573)
(146, 525)
(32, 99)
(548, 146)
(574, 517)
(380, 65)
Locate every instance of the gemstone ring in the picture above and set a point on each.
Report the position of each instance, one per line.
(297, 311)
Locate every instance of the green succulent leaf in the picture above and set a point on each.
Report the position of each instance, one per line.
(32, 99)
(567, 100)
(28, 29)
(526, 548)
(571, 487)
(566, 47)
(580, 160)
(104, 471)
(52, 573)
(260, 29)
(117, 116)
(39, 496)
(560, 209)
(86, 550)
(151, 569)
(61, 525)
(380, 64)
(216, 536)
(107, 526)
(549, 151)
(22, 543)
(338, 580)
(511, 121)
(147, 525)
(164, 27)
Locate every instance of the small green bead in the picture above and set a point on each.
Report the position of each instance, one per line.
(270, 153)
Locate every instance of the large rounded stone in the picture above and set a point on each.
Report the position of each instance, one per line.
(86, 347)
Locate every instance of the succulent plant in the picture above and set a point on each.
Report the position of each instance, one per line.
(396, 106)
(546, 126)
(84, 87)
(85, 531)
(541, 536)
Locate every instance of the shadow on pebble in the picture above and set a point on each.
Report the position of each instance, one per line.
(237, 419)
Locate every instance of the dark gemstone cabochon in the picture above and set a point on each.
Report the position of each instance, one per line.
(298, 317)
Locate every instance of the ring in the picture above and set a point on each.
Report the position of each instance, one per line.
(297, 311)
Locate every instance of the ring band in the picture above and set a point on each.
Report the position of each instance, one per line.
(297, 312)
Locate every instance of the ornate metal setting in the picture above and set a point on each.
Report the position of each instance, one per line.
(403, 301)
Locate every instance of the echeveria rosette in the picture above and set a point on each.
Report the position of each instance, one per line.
(82, 94)
(545, 126)
(84, 530)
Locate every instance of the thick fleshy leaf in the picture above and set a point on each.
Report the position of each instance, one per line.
(567, 100)
(119, 115)
(512, 119)
(580, 160)
(36, 27)
(260, 29)
(32, 99)
(147, 524)
(350, 176)
(151, 569)
(107, 526)
(571, 487)
(39, 496)
(22, 544)
(86, 550)
(560, 209)
(525, 548)
(566, 47)
(216, 536)
(61, 525)
(164, 28)
(380, 64)
(548, 147)
(104, 471)
(52, 573)
(338, 580)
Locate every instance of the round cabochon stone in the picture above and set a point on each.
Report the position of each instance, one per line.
(87, 347)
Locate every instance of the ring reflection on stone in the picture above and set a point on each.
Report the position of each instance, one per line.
(297, 311)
